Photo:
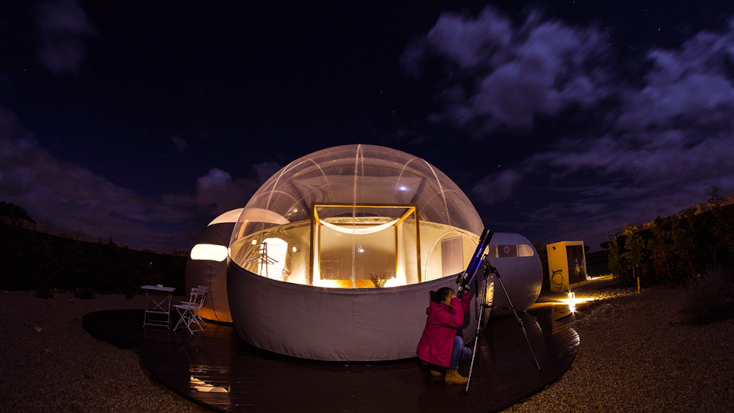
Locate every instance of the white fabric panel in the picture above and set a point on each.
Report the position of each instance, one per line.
(330, 323)
(229, 216)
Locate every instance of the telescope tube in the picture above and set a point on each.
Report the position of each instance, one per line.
(465, 277)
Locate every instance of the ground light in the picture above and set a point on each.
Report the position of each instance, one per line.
(572, 301)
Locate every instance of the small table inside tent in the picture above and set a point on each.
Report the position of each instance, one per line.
(157, 305)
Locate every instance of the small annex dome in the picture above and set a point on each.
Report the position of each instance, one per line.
(334, 256)
(207, 265)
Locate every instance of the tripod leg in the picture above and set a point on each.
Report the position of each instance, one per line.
(482, 307)
(519, 322)
(474, 351)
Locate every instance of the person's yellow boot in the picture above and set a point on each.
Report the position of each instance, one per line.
(453, 377)
(435, 373)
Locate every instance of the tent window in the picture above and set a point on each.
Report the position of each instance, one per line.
(209, 252)
(507, 251)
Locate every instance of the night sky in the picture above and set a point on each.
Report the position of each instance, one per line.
(144, 120)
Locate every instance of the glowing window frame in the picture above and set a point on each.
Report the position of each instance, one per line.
(317, 223)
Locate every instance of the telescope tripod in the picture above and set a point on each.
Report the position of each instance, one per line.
(488, 269)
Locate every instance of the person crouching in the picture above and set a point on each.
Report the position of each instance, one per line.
(439, 347)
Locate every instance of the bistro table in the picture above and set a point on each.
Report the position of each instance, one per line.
(157, 305)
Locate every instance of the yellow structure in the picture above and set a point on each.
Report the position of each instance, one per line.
(566, 265)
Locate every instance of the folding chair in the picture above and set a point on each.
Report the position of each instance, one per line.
(189, 310)
(200, 320)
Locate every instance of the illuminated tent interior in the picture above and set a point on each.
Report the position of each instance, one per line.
(352, 215)
(334, 256)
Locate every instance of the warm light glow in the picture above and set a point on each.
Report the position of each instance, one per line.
(332, 283)
(360, 230)
(394, 282)
(276, 250)
(391, 282)
(204, 387)
(209, 252)
(572, 301)
(489, 297)
(576, 300)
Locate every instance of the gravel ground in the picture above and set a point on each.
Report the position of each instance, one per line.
(49, 363)
(638, 353)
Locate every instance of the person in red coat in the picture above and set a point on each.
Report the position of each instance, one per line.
(439, 347)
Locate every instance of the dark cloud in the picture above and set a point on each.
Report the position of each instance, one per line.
(218, 192)
(502, 74)
(71, 197)
(263, 171)
(63, 26)
(689, 88)
(465, 41)
(673, 132)
(665, 140)
(497, 188)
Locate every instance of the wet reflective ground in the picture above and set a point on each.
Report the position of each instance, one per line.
(218, 370)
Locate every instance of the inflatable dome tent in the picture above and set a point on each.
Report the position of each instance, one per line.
(334, 256)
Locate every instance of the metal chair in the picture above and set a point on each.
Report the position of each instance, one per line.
(203, 300)
(189, 310)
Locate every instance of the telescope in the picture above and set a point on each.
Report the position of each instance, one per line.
(467, 276)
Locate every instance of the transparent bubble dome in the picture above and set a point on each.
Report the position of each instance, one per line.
(356, 216)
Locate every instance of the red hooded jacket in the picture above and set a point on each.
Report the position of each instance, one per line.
(438, 337)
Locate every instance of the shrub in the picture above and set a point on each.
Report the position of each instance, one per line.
(710, 296)
(31, 260)
(676, 248)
